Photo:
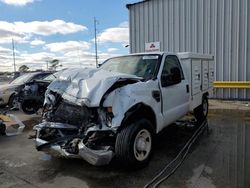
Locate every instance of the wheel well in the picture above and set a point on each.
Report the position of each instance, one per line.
(11, 97)
(206, 94)
(139, 111)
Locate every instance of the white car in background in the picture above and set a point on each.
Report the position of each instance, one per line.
(7, 91)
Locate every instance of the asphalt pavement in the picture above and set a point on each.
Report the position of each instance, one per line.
(220, 158)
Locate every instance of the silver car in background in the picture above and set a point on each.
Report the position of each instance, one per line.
(7, 91)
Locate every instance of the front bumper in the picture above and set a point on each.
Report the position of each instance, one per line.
(95, 157)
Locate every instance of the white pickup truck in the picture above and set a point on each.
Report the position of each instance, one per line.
(114, 111)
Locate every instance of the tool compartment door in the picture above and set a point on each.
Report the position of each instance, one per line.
(196, 76)
(211, 73)
(205, 79)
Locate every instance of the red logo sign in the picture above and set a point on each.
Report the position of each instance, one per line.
(152, 46)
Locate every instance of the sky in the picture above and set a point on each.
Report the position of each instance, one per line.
(43, 30)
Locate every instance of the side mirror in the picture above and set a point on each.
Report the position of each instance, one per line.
(174, 77)
(99, 65)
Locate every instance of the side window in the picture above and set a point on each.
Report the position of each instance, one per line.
(172, 72)
(39, 76)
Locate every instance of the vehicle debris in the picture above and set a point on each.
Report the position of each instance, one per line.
(7, 130)
(2, 128)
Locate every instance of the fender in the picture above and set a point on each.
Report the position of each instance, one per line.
(139, 110)
(120, 83)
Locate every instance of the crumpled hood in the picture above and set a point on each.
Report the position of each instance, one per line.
(86, 85)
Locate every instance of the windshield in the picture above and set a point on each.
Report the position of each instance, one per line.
(53, 76)
(140, 65)
(22, 79)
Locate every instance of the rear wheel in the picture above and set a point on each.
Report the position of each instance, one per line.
(134, 143)
(201, 111)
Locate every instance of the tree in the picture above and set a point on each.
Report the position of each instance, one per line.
(54, 64)
(23, 68)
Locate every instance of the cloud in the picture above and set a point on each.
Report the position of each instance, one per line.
(118, 34)
(39, 60)
(6, 36)
(33, 60)
(36, 57)
(112, 49)
(124, 24)
(5, 51)
(37, 42)
(17, 2)
(47, 28)
(68, 46)
(21, 31)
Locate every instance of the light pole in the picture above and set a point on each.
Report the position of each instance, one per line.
(47, 63)
(14, 55)
(96, 57)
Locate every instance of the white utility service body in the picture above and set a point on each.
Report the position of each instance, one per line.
(199, 71)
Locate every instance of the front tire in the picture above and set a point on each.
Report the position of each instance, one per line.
(201, 111)
(13, 102)
(134, 144)
(29, 107)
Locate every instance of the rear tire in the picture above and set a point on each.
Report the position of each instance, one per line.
(200, 113)
(134, 144)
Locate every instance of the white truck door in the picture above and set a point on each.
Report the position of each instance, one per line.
(175, 95)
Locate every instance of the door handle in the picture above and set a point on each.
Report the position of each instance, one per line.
(187, 88)
(156, 95)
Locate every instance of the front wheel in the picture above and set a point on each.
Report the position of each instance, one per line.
(201, 111)
(13, 102)
(134, 143)
(29, 107)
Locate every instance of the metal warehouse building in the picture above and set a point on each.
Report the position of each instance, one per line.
(218, 27)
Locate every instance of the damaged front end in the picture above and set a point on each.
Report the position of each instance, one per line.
(75, 132)
(64, 140)
(75, 122)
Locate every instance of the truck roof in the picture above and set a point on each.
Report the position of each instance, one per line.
(191, 55)
(181, 55)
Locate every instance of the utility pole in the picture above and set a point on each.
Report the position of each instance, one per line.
(14, 55)
(96, 56)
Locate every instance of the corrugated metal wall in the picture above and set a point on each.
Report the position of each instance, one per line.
(218, 27)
